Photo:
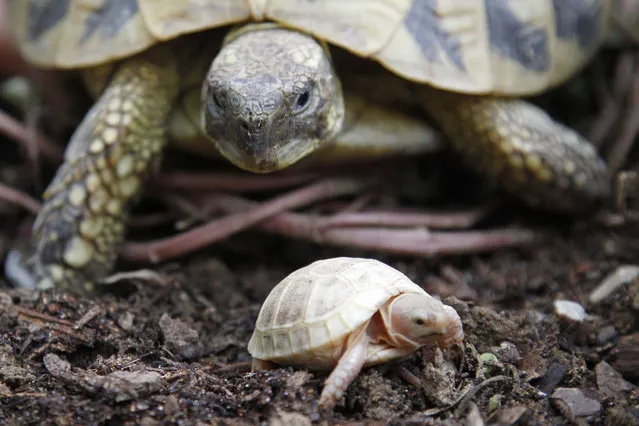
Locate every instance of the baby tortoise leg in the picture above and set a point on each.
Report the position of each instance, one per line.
(262, 364)
(521, 148)
(83, 217)
(347, 368)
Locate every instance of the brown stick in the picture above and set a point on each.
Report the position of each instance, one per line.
(20, 198)
(629, 129)
(439, 220)
(230, 182)
(219, 229)
(415, 242)
(19, 132)
(611, 100)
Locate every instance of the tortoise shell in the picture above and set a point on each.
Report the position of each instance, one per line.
(480, 46)
(307, 317)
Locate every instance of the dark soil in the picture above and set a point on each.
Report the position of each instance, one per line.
(168, 344)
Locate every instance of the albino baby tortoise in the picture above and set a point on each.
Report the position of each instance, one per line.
(344, 314)
(273, 95)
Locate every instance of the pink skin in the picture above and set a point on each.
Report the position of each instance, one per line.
(405, 323)
(420, 319)
(347, 368)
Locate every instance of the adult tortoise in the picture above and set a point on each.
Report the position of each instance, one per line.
(271, 95)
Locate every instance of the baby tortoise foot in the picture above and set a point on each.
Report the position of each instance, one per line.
(260, 364)
(82, 220)
(522, 149)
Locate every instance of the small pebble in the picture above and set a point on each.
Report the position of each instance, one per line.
(606, 334)
(148, 421)
(121, 386)
(507, 352)
(573, 403)
(554, 374)
(57, 366)
(473, 418)
(610, 381)
(16, 272)
(179, 338)
(125, 321)
(507, 415)
(570, 310)
(613, 281)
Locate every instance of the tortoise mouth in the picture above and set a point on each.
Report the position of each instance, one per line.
(443, 340)
(247, 154)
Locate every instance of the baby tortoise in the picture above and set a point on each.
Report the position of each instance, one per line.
(343, 314)
(271, 95)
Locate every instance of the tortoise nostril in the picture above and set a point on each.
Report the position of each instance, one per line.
(218, 101)
(244, 126)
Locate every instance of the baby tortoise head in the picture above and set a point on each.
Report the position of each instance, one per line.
(421, 319)
(270, 98)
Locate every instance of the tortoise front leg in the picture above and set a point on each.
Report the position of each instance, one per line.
(347, 368)
(83, 218)
(524, 150)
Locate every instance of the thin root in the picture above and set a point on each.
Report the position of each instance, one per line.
(17, 131)
(19, 198)
(439, 220)
(219, 229)
(629, 130)
(230, 182)
(416, 241)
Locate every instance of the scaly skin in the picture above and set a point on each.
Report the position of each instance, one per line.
(521, 148)
(509, 140)
(83, 218)
(346, 370)
(271, 98)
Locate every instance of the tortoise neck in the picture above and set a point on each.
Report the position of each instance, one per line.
(383, 328)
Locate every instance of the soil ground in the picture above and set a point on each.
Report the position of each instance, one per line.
(169, 346)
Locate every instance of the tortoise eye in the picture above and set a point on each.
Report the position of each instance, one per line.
(302, 100)
(419, 321)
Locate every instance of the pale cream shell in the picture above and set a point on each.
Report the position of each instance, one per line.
(306, 317)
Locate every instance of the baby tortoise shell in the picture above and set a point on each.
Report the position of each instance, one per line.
(343, 314)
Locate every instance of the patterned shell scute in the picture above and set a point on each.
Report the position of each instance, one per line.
(524, 42)
(109, 19)
(510, 47)
(579, 20)
(44, 16)
(315, 308)
(81, 33)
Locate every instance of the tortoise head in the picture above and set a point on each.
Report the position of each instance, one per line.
(421, 318)
(270, 98)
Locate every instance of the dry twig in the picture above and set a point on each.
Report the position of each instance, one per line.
(220, 229)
